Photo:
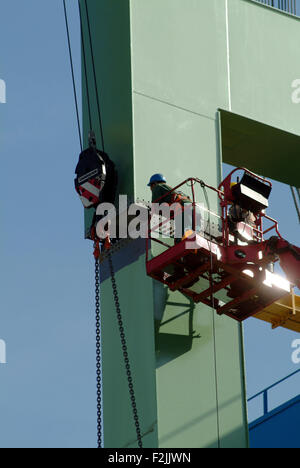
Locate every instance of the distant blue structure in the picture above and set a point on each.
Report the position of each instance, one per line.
(278, 428)
(289, 6)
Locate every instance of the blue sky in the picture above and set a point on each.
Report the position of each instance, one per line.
(47, 395)
(47, 392)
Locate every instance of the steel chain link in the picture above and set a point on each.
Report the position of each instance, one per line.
(98, 353)
(125, 354)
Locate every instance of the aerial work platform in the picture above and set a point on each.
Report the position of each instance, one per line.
(230, 267)
(283, 313)
(201, 270)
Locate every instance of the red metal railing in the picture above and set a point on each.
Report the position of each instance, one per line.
(225, 200)
(191, 182)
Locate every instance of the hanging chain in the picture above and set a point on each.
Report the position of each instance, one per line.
(98, 352)
(125, 354)
(97, 266)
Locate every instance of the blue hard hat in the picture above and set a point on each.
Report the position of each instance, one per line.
(157, 178)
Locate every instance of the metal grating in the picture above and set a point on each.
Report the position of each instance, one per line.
(290, 6)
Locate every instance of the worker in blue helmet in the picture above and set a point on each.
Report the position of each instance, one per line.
(157, 178)
(159, 188)
(163, 193)
(183, 217)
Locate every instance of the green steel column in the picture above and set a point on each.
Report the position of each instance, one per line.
(163, 73)
(110, 27)
(180, 78)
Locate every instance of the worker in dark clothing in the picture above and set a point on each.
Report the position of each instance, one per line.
(163, 193)
(238, 214)
(183, 217)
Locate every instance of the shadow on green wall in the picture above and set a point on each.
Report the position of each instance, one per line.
(169, 346)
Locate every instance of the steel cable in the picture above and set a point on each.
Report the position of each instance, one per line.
(72, 72)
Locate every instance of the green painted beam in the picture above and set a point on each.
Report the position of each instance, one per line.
(263, 58)
(261, 148)
(179, 76)
(110, 27)
(160, 114)
(164, 69)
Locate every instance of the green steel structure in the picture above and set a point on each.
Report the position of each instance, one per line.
(184, 85)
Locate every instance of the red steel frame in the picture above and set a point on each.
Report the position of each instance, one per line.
(226, 198)
(231, 266)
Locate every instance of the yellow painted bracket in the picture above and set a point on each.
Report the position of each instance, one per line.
(283, 313)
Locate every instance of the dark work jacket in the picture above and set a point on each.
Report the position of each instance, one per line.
(164, 190)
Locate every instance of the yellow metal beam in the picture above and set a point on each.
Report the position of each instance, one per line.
(283, 313)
